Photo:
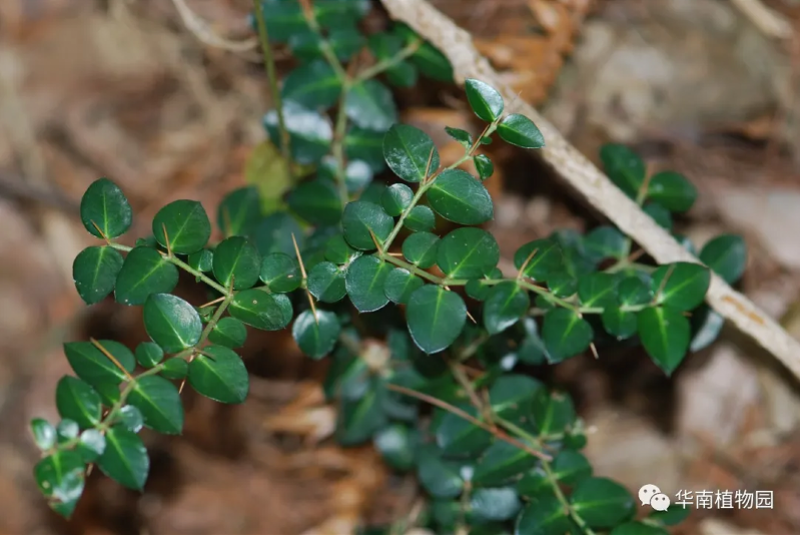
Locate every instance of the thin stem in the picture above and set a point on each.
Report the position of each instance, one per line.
(388, 63)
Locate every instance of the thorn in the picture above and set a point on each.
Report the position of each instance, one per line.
(305, 277)
(112, 358)
(664, 282)
(525, 264)
(214, 302)
(103, 234)
(471, 318)
(375, 241)
(313, 308)
(594, 351)
(166, 239)
(430, 161)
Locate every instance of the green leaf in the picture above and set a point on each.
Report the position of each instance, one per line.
(326, 282)
(228, 332)
(143, 273)
(317, 201)
(420, 219)
(148, 354)
(396, 198)
(396, 444)
(361, 220)
(494, 505)
(366, 145)
(706, 325)
(130, 417)
(359, 419)
(186, 225)
(91, 446)
(400, 284)
(624, 167)
(77, 400)
(483, 165)
(459, 197)
(659, 214)
(66, 430)
(171, 322)
(546, 516)
(314, 85)
(282, 19)
(365, 282)
(726, 255)
(316, 336)
(202, 260)
(638, 528)
(410, 152)
(261, 310)
(280, 273)
(681, 285)
(427, 58)
(458, 437)
(605, 242)
(94, 367)
(634, 291)
(61, 478)
(310, 132)
(421, 248)
(344, 42)
(505, 304)
(386, 47)
(484, 100)
(570, 467)
(105, 206)
(467, 253)
(518, 130)
(95, 271)
(462, 136)
(439, 478)
(239, 211)
(552, 412)
(236, 260)
(602, 503)
(501, 463)
(44, 434)
(125, 458)
(273, 234)
(674, 515)
(672, 191)
(511, 395)
(175, 369)
(665, 334)
(540, 258)
(565, 334)
(160, 404)
(219, 374)
(598, 290)
(435, 317)
(619, 323)
(369, 104)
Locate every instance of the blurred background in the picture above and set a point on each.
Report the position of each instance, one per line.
(122, 89)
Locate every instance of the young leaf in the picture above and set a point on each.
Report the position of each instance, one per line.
(484, 166)
(462, 136)
(624, 167)
(665, 334)
(143, 273)
(239, 211)
(672, 191)
(365, 282)
(61, 478)
(565, 334)
(467, 253)
(316, 336)
(105, 206)
(408, 150)
(91, 446)
(539, 258)
(44, 434)
(94, 367)
(186, 225)
(171, 322)
(280, 273)
(400, 284)
(484, 100)
(130, 417)
(317, 201)
(361, 220)
(421, 249)
(505, 304)
(228, 332)
(602, 503)
(237, 260)
(459, 197)
(148, 354)
(261, 310)
(95, 271)
(310, 132)
(396, 198)
(518, 130)
(726, 255)
(160, 404)
(125, 458)
(326, 282)
(369, 104)
(219, 374)
(78, 401)
(420, 219)
(681, 285)
(314, 85)
(435, 317)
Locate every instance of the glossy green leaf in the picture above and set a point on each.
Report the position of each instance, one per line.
(396, 444)
(95, 271)
(638, 528)
(421, 248)
(316, 335)
(359, 419)
(148, 354)
(125, 458)
(494, 505)
(665, 334)
(681, 285)
(365, 145)
(410, 152)
(186, 225)
(501, 463)
(228, 332)
(420, 219)
(175, 369)
(459, 197)
(160, 404)
(672, 191)
(370, 104)
(518, 130)
(365, 282)
(310, 132)
(597, 290)
(91, 445)
(61, 479)
(280, 273)
(511, 395)
(282, 19)
(239, 211)
(338, 251)
(94, 367)
(273, 234)
(531, 349)
(435, 317)
(624, 167)
(105, 211)
(458, 437)
(236, 261)
(130, 417)
(317, 201)
(78, 401)
(552, 412)
(505, 304)
(467, 253)
(571, 467)
(540, 258)
(484, 100)
(202, 260)
(565, 334)
(400, 284)
(171, 322)
(219, 374)
(428, 59)
(619, 323)
(67, 430)
(605, 242)
(726, 255)
(462, 136)
(660, 215)
(386, 47)
(361, 221)
(634, 291)
(143, 273)
(313, 85)
(326, 282)
(706, 325)
(44, 434)
(484, 166)
(261, 310)
(602, 503)
(546, 516)
(441, 479)
(396, 198)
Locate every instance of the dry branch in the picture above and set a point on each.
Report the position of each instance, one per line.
(593, 184)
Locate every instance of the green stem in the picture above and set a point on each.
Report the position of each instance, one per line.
(388, 63)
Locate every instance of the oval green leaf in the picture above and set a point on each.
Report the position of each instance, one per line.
(61, 479)
(171, 322)
(726, 255)
(361, 221)
(682, 285)
(95, 271)
(280, 273)
(125, 458)
(236, 260)
(326, 282)
(78, 401)
(105, 211)
(672, 191)
(602, 503)
(485, 101)
(228, 332)
(400, 284)
(370, 104)
(365, 282)
(93, 366)
(565, 334)
(518, 130)
(186, 225)
(665, 334)
(505, 304)
(624, 167)
(316, 335)
(148, 354)
(421, 249)
(459, 197)
(467, 253)
(144, 272)
(435, 317)
(160, 404)
(314, 85)
(219, 374)
(262, 310)
(420, 219)
(396, 198)
(410, 152)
